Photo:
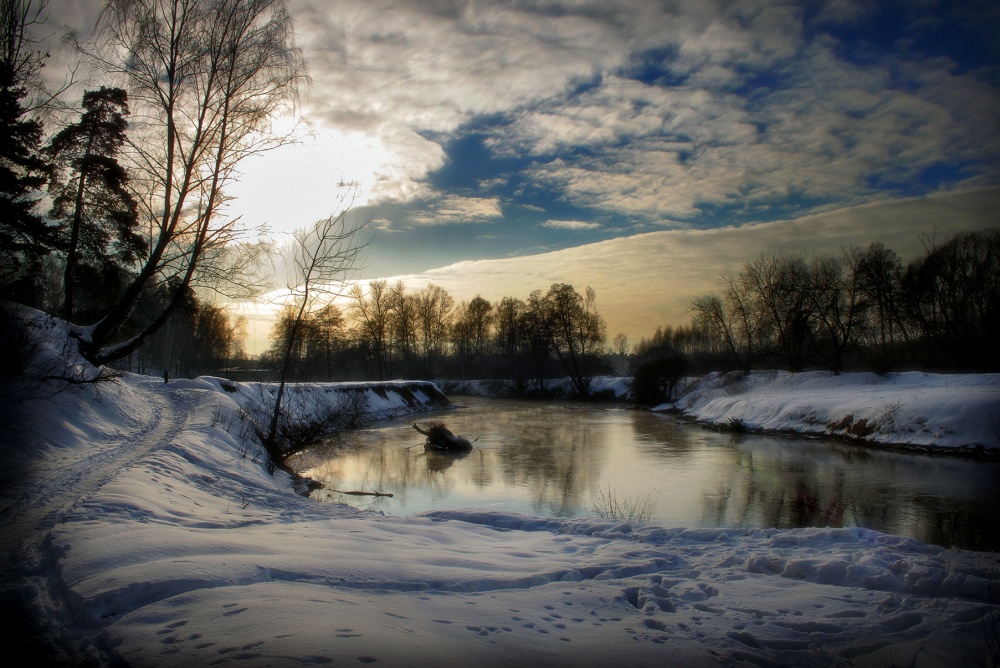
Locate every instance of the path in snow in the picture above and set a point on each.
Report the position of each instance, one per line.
(39, 499)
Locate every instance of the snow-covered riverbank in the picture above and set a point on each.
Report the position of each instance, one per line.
(958, 413)
(922, 412)
(140, 526)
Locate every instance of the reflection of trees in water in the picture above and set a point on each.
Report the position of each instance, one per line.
(543, 451)
(555, 458)
(798, 485)
(948, 523)
(558, 461)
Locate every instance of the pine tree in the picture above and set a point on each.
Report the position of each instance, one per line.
(24, 236)
(91, 197)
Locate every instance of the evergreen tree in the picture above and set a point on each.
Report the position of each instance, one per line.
(24, 236)
(91, 197)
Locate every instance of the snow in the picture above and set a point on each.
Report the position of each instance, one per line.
(145, 529)
(919, 411)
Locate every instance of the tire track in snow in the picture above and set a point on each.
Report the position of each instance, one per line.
(32, 594)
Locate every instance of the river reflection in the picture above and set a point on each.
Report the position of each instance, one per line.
(557, 459)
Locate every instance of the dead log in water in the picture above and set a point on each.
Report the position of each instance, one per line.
(440, 437)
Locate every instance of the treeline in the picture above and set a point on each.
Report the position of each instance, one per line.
(861, 309)
(386, 332)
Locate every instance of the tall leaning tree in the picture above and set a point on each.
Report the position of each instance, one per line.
(205, 79)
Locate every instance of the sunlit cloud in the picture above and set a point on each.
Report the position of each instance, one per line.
(455, 209)
(571, 225)
(321, 163)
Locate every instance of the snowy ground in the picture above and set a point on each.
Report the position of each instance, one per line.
(140, 526)
(913, 410)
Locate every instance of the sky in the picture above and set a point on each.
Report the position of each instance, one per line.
(554, 134)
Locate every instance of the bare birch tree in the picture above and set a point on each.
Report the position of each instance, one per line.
(322, 259)
(205, 78)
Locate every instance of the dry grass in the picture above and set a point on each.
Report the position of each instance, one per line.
(629, 509)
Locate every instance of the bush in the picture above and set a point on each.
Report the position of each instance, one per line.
(656, 381)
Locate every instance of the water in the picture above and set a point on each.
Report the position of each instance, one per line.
(569, 460)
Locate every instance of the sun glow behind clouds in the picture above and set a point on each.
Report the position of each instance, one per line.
(294, 185)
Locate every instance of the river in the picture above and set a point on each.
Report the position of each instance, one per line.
(578, 460)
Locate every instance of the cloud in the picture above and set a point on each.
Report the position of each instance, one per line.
(455, 209)
(825, 130)
(688, 113)
(429, 69)
(571, 225)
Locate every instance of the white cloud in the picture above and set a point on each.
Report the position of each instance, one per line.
(828, 132)
(571, 225)
(755, 110)
(454, 209)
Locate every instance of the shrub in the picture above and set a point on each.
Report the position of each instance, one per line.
(656, 381)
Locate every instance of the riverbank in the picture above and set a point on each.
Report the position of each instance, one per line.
(914, 411)
(920, 412)
(141, 527)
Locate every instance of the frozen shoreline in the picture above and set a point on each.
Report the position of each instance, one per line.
(916, 411)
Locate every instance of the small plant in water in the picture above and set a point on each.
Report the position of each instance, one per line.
(630, 509)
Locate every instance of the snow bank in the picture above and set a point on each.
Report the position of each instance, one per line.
(958, 413)
(359, 402)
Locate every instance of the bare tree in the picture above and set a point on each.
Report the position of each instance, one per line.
(839, 305)
(736, 318)
(575, 330)
(780, 287)
(510, 343)
(205, 78)
(404, 324)
(434, 308)
(322, 257)
(373, 314)
(619, 344)
(879, 272)
(953, 298)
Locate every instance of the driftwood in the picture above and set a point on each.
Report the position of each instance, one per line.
(362, 493)
(440, 437)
